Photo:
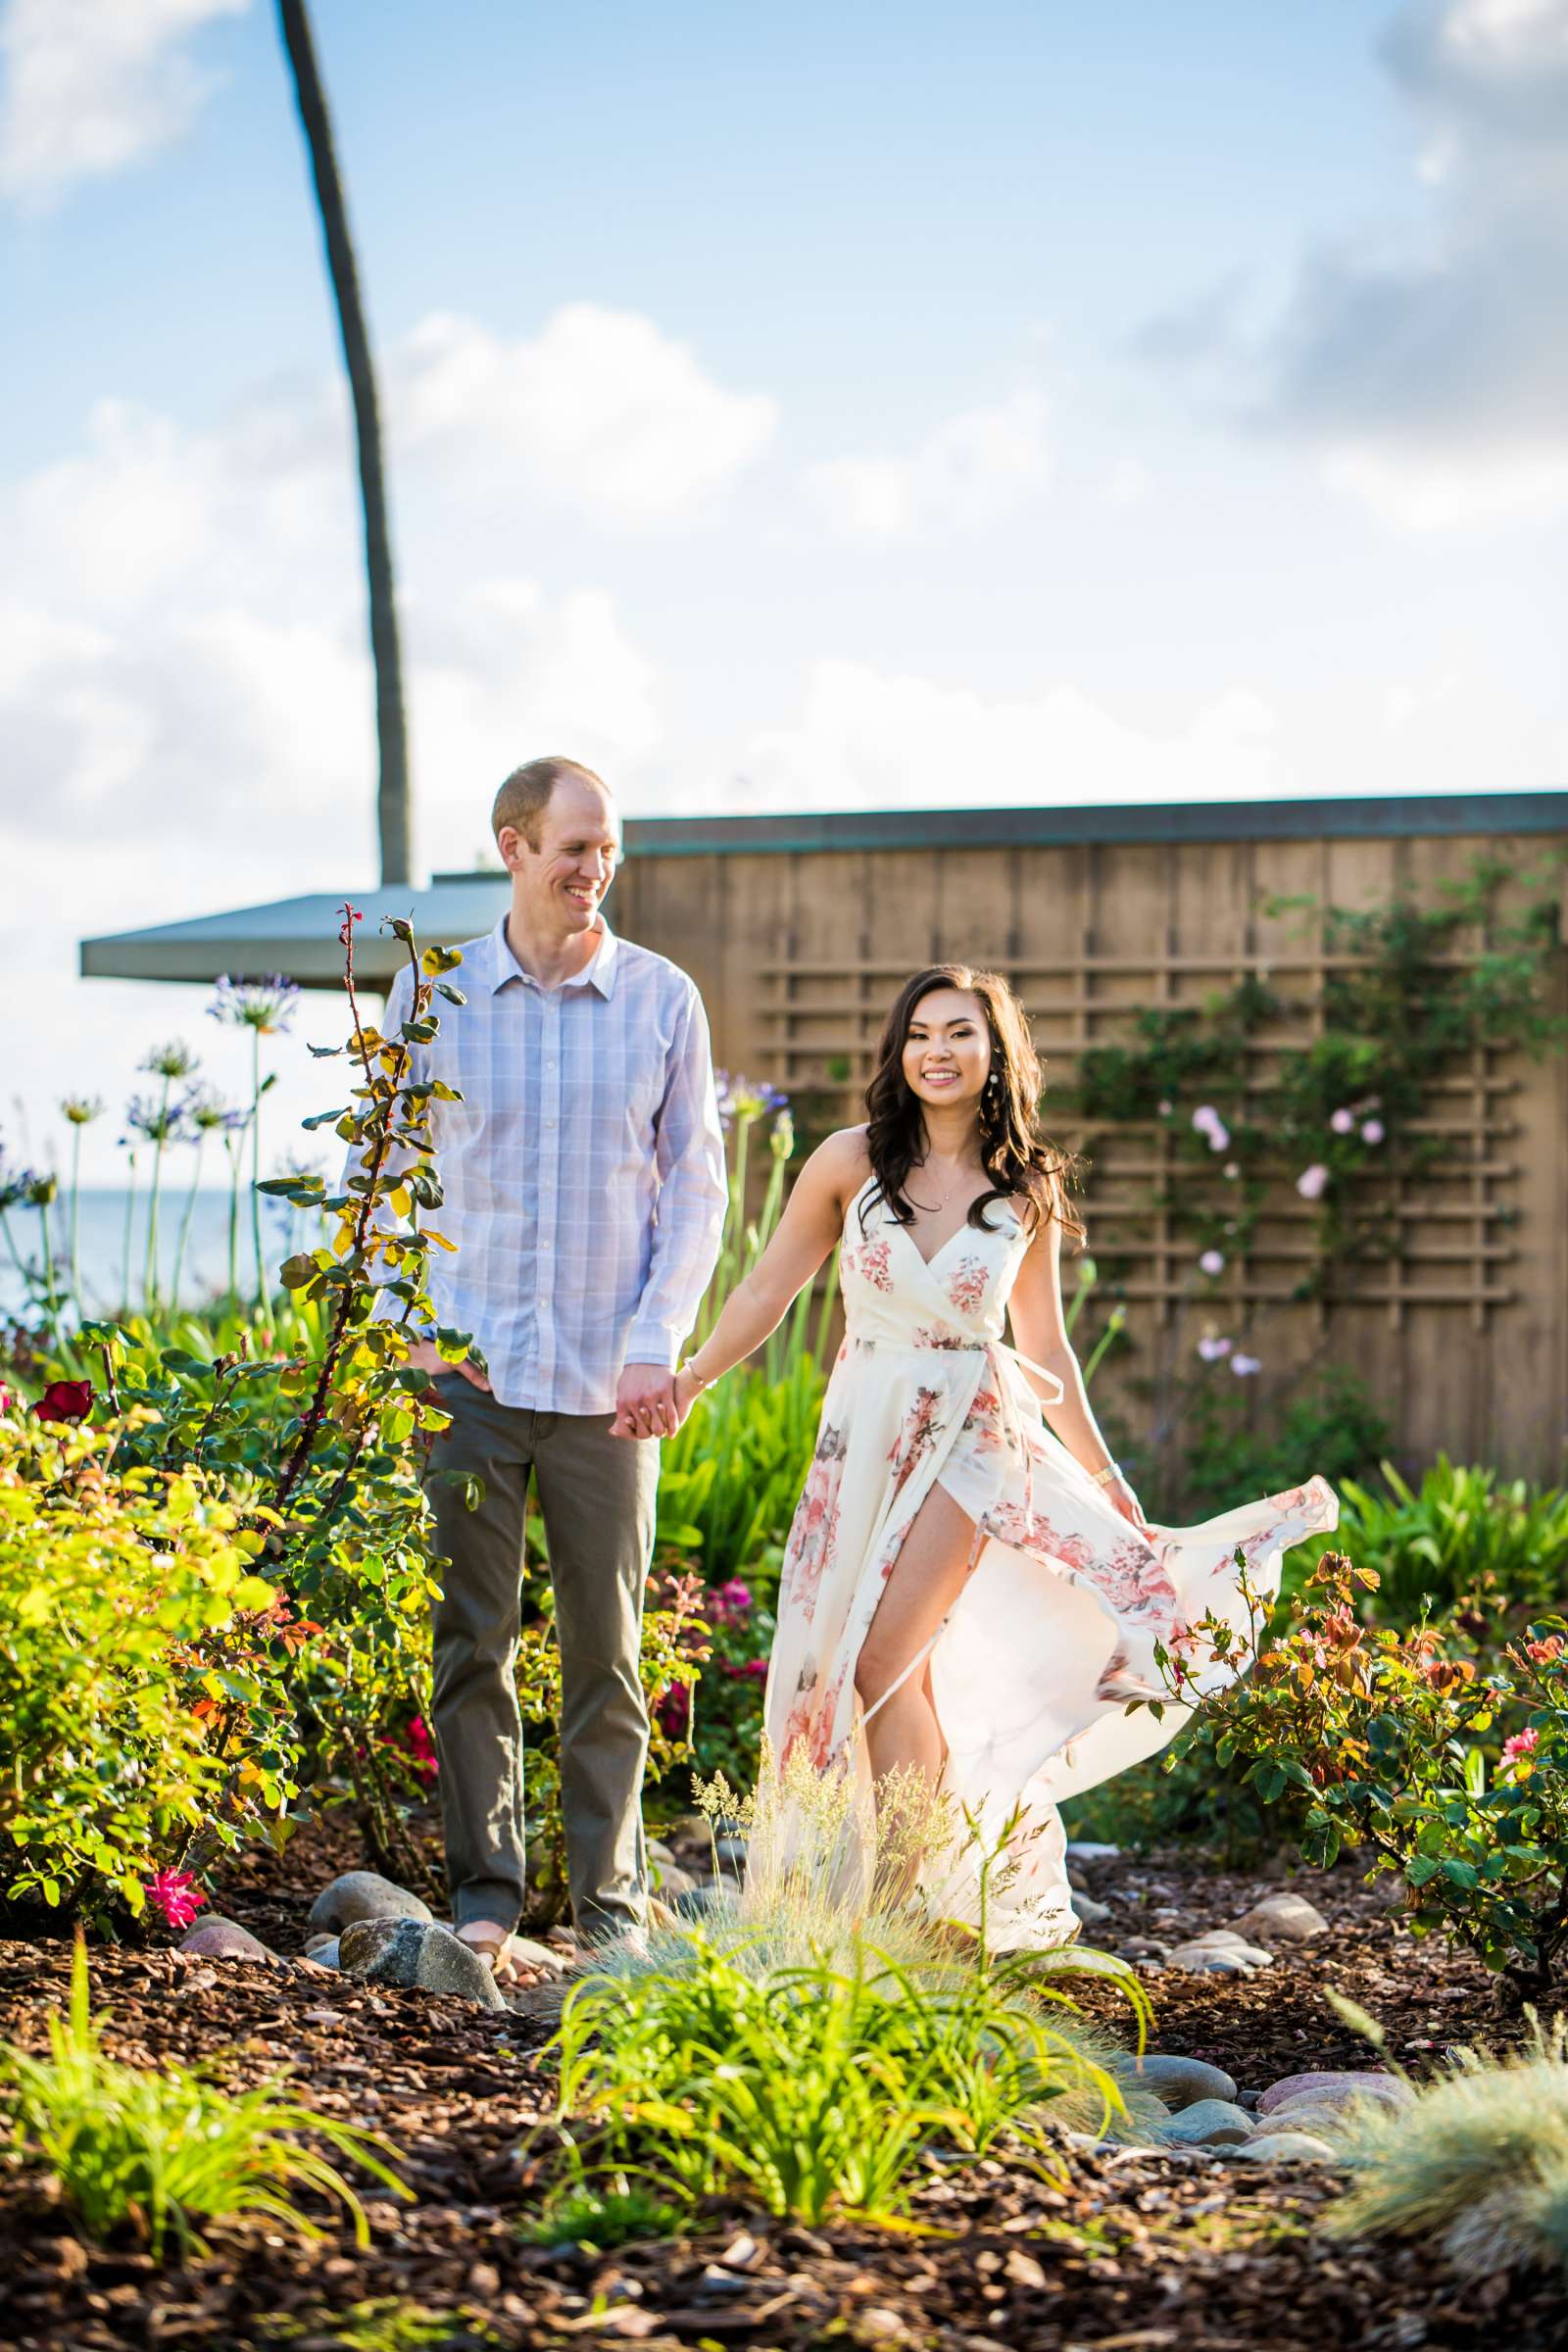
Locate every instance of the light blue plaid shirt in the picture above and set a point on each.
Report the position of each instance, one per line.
(583, 1169)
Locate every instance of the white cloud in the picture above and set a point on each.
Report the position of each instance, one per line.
(1430, 376)
(94, 86)
(866, 739)
(975, 469)
(601, 411)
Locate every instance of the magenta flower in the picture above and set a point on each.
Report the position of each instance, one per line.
(1312, 1182)
(1343, 1122)
(177, 1896)
(1519, 1745)
(674, 1711)
(731, 1604)
(1213, 1262)
(1372, 1131)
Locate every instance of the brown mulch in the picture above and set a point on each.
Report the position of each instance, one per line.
(1130, 2252)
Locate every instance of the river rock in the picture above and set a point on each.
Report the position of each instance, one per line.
(1179, 2081)
(323, 1951)
(1335, 2087)
(1093, 1914)
(219, 1938)
(525, 1953)
(1089, 1849)
(697, 1901)
(1211, 1955)
(1285, 2147)
(1288, 1917)
(364, 1894)
(413, 1952)
(670, 1880)
(1208, 2124)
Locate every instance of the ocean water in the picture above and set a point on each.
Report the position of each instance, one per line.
(103, 1252)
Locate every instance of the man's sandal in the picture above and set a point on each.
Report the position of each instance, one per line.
(493, 1945)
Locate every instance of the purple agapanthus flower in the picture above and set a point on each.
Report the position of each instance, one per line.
(266, 1005)
(160, 1121)
(742, 1098)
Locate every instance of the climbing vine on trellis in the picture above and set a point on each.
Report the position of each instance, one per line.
(1409, 1007)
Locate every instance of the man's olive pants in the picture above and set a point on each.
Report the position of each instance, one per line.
(596, 1494)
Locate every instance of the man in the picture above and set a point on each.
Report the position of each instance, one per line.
(583, 1173)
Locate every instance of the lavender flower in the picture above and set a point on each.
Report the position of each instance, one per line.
(1211, 1347)
(265, 1006)
(1312, 1182)
(1372, 1131)
(1342, 1122)
(1213, 1262)
(158, 1119)
(741, 1098)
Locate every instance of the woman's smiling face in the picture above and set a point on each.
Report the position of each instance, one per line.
(947, 1052)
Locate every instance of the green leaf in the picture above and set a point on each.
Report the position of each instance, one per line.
(296, 1272)
(322, 1118)
(1460, 1873)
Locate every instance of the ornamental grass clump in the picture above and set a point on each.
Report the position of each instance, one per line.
(154, 2152)
(1476, 2164)
(819, 2054)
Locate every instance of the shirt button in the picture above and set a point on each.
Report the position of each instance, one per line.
(551, 1063)
(549, 1122)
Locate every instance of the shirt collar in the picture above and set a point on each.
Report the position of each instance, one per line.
(599, 972)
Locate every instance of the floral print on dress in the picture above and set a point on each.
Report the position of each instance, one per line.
(1128, 1574)
(813, 1529)
(871, 1261)
(967, 1283)
(922, 1425)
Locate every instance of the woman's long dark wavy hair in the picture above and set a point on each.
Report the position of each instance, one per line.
(1013, 1152)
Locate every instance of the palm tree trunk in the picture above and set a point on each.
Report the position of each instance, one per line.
(393, 813)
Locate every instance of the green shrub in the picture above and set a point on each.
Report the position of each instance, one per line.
(159, 2149)
(1330, 1424)
(129, 1613)
(1476, 2164)
(1399, 1744)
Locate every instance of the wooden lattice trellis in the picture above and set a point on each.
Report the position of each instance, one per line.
(821, 1020)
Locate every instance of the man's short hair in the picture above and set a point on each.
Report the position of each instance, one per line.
(525, 795)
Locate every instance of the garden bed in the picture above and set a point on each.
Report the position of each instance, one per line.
(1131, 2253)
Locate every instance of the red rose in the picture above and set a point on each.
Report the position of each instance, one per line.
(64, 1400)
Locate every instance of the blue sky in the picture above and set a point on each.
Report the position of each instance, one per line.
(853, 405)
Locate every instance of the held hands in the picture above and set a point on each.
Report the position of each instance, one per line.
(646, 1403)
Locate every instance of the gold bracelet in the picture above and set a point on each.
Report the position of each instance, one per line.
(1103, 1478)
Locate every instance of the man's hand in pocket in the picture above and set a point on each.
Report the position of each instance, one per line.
(422, 1357)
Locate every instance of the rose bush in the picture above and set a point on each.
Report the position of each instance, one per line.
(1449, 1771)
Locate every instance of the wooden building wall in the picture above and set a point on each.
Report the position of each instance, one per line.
(1463, 1333)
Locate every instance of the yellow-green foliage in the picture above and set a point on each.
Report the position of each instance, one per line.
(157, 2150)
(129, 1608)
(1478, 2163)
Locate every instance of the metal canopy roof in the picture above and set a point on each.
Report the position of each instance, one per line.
(299, 936)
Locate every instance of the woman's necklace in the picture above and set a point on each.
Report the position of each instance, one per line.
(947, 1195)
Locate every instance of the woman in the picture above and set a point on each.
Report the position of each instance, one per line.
(971, 1592)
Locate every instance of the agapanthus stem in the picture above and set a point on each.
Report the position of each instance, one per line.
(75, 1221)
(185, 1223)
(125, 1250)
(256, 1174)
(150, 1285)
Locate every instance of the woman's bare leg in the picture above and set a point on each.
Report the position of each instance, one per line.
(903, 1735)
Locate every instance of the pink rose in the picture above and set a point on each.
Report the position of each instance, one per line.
(1213, 1262)
(1312, 1182)
(1343, 1122)
(1372, 1131)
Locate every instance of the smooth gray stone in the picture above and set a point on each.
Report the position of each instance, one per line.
(1092, 1914)
(324, 1951)
(408, 1953)
(1179, 2081)
(1090, 1849)
(668, 1879)
(219, 1938)
(1220, 1959)
(696, 1902)
(1285, 1917)
(1210, 2124)
(364, 1894)
(1286, 2147)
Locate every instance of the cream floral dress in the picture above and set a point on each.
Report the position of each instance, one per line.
(1058, 1625)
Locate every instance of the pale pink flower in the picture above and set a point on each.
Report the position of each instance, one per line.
(1313, 1180)
(1244, 1366)
(1213, 1262)
(1372, 1131)
(1211, 1347)
(1343, 1122)
(1520, 1745)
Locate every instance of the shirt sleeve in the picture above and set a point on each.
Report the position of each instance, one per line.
(693, 1195)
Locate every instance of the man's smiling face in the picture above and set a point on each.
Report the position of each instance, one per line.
(563, 882)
